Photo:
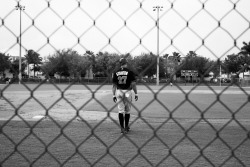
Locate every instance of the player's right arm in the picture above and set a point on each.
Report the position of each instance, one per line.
(114, 87)
(113, 91)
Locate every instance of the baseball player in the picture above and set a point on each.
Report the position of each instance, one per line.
(123, 82)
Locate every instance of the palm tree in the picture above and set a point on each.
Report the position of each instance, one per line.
(34, 58)
(246, 48)
(244, 57)
(177, 57)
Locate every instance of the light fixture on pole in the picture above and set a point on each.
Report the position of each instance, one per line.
(20, 8)
(158, 9)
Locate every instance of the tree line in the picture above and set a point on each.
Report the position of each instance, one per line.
(70, 63)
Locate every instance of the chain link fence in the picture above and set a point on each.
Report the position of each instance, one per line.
(199, 126)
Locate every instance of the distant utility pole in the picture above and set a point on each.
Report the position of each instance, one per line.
(20, 8)
(158, 9)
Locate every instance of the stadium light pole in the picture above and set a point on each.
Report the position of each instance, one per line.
(157, 9)
(20, 8)
(220, 74)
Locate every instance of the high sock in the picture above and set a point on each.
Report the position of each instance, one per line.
(127, 117)
(121, 120)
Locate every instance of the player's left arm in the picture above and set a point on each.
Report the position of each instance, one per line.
(134, 87)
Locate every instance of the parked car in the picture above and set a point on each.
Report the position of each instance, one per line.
(7, 80)
(226, 80)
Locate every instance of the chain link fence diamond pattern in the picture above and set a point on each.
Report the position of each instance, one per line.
(125, 26)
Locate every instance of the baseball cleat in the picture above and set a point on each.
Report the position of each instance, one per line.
(122, 130)
(127, 129)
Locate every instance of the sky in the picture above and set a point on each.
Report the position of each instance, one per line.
(211, 28)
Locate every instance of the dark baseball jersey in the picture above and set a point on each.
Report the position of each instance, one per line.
(123, 78)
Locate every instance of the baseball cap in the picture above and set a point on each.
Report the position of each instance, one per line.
(123, 61)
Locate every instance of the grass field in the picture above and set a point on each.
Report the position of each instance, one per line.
(170, 126)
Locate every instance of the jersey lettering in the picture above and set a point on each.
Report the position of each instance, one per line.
(122, 73)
